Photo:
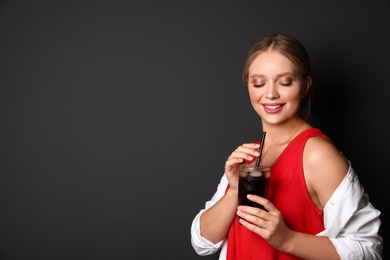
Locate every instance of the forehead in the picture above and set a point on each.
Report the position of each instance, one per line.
(271, 62)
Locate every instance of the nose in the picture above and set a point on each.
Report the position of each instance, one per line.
(272, 92)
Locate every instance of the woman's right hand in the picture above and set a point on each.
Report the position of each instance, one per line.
(246, 152)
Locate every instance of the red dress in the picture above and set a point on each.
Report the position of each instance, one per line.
(287, 191)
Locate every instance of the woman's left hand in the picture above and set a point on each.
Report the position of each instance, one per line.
(267, 224)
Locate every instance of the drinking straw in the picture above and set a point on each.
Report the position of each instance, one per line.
(260, 149)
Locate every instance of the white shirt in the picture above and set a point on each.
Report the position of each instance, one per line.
(351, 222)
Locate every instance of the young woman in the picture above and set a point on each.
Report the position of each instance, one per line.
(316, 207)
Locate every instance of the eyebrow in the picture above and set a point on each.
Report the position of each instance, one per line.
(257, 75)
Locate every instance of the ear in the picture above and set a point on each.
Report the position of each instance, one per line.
(306, 86)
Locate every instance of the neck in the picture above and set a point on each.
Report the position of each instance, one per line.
(283, 133)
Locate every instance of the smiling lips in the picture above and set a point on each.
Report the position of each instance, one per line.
(272, 109)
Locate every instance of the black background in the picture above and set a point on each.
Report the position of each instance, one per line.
(117, 116)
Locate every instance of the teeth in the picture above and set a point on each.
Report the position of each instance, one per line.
(272, 107)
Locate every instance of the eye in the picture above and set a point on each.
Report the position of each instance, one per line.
(286, 84)
(257, 83)
(286, 81)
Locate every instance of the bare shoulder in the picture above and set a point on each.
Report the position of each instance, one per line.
(324, 168)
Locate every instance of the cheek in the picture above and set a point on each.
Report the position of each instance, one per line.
(291, 95)
(254, 94)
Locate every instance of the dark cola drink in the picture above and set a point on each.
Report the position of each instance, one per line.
(252, 180)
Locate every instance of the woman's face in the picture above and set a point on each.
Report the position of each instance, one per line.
(275, 88)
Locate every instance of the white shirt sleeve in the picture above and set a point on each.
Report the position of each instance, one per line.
(201, 245)
(351, 222)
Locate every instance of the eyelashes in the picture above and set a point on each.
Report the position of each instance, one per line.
(284, 84)
(259, 85)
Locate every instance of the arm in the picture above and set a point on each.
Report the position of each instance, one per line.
(201, 245)
(351, 221)
(210, 226)
(216, 221)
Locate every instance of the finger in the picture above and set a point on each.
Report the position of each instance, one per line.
(233, 161)
(254, 145)
(250, 148)
(262, 201)
(255, 225)
(251, 212)
(245, 153)
(244, 150)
